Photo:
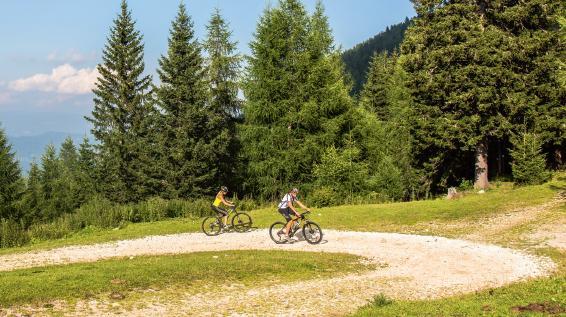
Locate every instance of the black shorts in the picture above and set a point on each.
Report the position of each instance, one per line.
(221, 212)
(286, 212)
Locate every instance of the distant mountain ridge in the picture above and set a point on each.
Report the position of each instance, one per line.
(30, 148)
(357, 58)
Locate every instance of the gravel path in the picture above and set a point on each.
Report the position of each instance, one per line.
(418, 267)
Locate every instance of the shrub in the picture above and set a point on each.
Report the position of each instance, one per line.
(323, 196)
(12, 234)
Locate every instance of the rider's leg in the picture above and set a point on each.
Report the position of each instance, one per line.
(286, 213)
(221, 213)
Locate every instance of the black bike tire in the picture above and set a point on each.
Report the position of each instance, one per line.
(274, 234)
(241, 227)
(308, 224)
(209, 233)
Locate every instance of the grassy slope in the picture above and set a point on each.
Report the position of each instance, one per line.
(192, 272)
(393, 217)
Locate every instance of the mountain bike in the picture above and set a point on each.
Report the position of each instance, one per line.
(237, 221)
(311, 230)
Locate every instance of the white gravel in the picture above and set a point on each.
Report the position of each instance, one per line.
(417, 267)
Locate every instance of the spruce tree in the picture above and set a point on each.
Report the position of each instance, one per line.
(374, 95)
(121, 112)
(529, 163)
(11, 184)
(51, 184)
(223, 69)
(32, 200)
(478, 72)
(297, 101)
(88, 171)
(70, 185)
(187, 131)
(455, 68)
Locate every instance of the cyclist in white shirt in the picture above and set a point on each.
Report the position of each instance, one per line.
(285, 207)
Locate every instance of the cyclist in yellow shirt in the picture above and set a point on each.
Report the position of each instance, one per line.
(221, 199)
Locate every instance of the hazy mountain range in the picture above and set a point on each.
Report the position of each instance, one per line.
(30, 148)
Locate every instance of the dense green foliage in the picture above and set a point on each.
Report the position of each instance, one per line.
(357, 59)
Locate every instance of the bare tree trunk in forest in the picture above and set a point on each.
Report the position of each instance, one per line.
(481, 181)
(558, 160)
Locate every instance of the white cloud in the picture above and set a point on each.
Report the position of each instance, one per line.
(63, 79)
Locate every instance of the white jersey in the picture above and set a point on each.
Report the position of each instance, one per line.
(285, 201)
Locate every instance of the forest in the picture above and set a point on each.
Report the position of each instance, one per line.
(474, 93)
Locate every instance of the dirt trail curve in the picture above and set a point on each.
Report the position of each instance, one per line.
(417, 267)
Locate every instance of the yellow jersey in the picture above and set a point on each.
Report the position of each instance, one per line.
(217, 200)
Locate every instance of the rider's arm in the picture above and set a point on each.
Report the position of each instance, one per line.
(226, 202)
(301, 205)
(290, 204)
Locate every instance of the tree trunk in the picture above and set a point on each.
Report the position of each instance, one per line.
(558, 160)
(481, 166)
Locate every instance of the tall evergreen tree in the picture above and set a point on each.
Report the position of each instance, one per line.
(32, 200)
(478, 71)
(11, 183)
(121, 112)
(88, 171)
(456, 69)
(297, 101)
(188, 137)
(69, 182)
(224, 105)
(374, 95)
(51, 184)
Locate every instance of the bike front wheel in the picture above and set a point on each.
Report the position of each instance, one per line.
(274, 232)
(211, 226)
(312, 233)
(241, 222)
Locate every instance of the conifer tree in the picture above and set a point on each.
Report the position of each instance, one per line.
(88, 171)
(224, 105)
(455, 68)
(297, 101)
(32, 200)
(189, 154)
(374, 95)
(11, 184)
(69, 182)
(529, 163)
(51, 184)
(478, 72)
(121, 112)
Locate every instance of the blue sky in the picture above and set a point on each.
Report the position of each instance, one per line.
(50, 48)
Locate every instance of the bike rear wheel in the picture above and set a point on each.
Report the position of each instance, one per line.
(276, 228)
(312, 232)
(211, 226)
(241, 222)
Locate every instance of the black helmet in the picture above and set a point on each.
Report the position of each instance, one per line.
(224, 189)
